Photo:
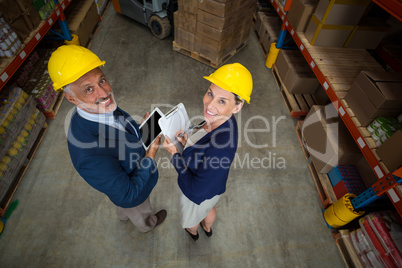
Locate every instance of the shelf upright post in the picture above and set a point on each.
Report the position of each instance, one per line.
(63, 25)
(282, 34)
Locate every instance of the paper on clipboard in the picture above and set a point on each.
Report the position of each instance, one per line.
(173, 121)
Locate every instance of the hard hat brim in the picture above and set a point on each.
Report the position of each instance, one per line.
(222, 85)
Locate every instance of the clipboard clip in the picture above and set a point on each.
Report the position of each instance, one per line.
(168, 114)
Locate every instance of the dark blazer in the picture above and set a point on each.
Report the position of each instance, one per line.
(112, 161)
(204, 167)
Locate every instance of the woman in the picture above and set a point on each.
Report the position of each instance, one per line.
(204, 165)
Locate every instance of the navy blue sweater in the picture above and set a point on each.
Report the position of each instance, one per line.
(112, 161)
(204, 167)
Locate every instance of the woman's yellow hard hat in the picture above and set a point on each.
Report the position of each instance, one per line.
(234, 78)
(69, 62)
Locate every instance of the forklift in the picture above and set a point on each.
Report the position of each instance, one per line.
(156, 14)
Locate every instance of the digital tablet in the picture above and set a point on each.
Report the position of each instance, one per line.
(150, 128)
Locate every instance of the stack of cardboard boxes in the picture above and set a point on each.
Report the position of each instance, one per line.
(82, 18)
(295, 73)
(213, 29)
(379, 94)
(337, 23)
(21, 15)
(268, 27)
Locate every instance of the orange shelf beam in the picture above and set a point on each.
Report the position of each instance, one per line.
(393, 7)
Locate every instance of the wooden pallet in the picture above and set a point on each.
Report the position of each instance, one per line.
(298, 104)
(196, 56)
(322, 182)
(5, 202)
(54, 108)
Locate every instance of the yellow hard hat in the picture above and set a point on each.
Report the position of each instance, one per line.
(234, 78)
(69, 62)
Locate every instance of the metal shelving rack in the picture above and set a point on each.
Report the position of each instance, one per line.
(11, 65)
(386, 181)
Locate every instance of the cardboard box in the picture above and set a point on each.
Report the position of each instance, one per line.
(29, 13)
(368, 34)
(184, 38)
(300, 13)
(319, 34)
(269, 31)
(214, 50)
(295, 73)
(390, 152)
(185, 21)
(13, 15)
(242, 14)
(375, 94)
(328, 140)
(215, 33)
(219, 9)
(189, 6)
(82, 17)
(340, 12)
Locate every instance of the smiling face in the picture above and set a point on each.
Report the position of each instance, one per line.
(92, 93)
(219, 106)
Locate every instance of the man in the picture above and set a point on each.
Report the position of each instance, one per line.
(104, 141)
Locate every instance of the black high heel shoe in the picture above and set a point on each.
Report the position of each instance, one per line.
(208, 234)
(194, 237)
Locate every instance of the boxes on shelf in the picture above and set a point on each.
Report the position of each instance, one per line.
(343, 172)
(44, 8)
(82, 18)
(339, 12)
(390, 152)
(367, 34)
(16, 19)
(329, 35)
(300, 13)
(295, 72)
(269, 30)
(328, 140)
(375, 94)
(348, 186)
(346, 179)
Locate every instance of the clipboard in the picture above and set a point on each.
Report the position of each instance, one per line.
(173, 121)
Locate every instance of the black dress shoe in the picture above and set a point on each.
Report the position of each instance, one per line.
(194, 237)
(208, 234)
(160, 215)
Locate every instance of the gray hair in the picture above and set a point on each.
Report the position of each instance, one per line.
(67, 89)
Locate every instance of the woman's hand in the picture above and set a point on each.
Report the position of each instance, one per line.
(145, 117)
(183, 138)
(151, 152)
(169, 146)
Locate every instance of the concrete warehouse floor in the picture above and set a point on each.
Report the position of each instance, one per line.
(270, 215)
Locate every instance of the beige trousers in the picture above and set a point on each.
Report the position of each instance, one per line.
(141, 216)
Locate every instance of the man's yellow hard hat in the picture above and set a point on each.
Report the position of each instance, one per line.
(69, 62)
(234, 78)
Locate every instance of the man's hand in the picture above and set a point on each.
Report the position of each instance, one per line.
(145, 117)
(169, 146)
(151, 152)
